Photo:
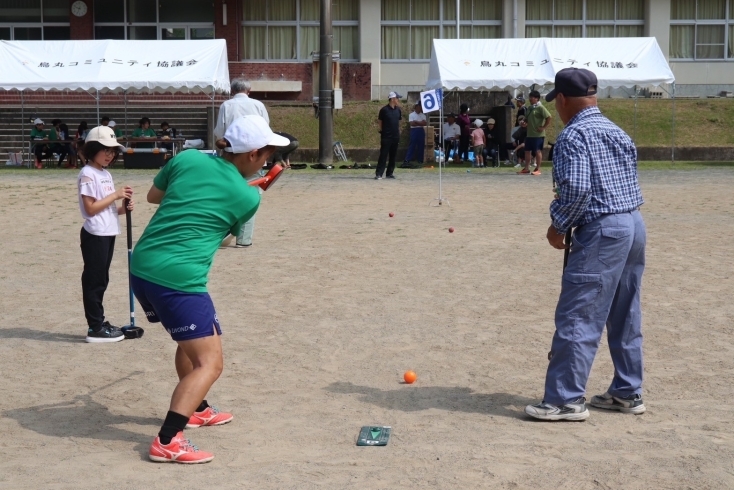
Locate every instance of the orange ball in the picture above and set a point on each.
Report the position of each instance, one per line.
(410, 377)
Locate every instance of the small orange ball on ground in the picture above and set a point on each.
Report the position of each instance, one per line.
(410, 377)
(392, 214)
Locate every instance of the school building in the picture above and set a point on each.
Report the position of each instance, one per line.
(385, 44)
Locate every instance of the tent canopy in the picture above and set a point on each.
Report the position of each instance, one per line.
(484, 64)
(112, 65)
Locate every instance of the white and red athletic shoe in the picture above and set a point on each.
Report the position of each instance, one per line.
(179, 450)
(208, 417)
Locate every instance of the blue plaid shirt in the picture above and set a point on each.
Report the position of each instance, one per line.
(595, 169)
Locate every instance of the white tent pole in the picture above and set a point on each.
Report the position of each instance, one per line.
(22, 126)
(98, 123)
(458, 11)
(634, 134)
(125, 96)
(672, 144)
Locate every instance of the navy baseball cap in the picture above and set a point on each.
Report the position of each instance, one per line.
(573, 82)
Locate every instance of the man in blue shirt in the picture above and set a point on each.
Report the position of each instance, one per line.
(388, 124)
(597, 194)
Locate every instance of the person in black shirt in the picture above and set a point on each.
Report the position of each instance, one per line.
(388, 122)
(521, 109)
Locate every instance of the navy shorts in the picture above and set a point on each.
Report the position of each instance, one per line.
(534, 144)
(185, 316)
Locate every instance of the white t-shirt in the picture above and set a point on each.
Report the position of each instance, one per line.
(451, 130)
(415, 117)
(98, 184)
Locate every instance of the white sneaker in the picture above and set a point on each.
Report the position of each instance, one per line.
(573, 411)
(227, 240)
(517, 165)
(629, 404)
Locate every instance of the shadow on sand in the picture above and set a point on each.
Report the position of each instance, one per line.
(450, 398)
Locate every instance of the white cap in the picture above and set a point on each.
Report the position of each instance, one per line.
(478, 123)
(248, 133)
(104, 135)
(112, 124)
(393, 95)
(490, 121)
(38, 121)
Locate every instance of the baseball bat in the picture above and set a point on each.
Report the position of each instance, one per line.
(131, 331)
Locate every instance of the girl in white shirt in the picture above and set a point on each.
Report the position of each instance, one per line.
(97, 196)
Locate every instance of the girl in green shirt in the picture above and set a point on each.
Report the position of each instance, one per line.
(202, 198)
(143, 131)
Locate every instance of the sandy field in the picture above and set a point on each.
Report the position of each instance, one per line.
(332, 304)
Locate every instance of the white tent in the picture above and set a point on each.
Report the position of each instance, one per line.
(111, 65)
(484, 64)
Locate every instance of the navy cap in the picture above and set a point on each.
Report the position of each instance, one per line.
(573, 82)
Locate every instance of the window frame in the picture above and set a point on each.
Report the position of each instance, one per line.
(727, 22)
(584, 22)
(34, 24)
(441, 23)
(157, 24)
(297, 24)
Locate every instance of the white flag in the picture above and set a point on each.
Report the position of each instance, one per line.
(431, 100)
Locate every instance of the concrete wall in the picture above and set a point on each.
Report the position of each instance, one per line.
(370, 39)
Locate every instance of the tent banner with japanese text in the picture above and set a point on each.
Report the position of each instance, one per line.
(484, 64)
(114, 65)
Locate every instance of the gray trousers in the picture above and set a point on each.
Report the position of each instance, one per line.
(244, 237)
(601, 287)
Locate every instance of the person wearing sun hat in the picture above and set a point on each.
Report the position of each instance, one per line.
(97, 203)
(40, 150)
(388, 124)
(202, 198)
(598, 198)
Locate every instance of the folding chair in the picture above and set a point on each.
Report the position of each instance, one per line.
(339, 151)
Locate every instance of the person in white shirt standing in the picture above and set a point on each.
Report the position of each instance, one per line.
(451, 135)
(240, 105)
(97, 196)
(417, 145)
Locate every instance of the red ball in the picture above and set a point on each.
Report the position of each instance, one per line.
(392, 214)
(451, 229)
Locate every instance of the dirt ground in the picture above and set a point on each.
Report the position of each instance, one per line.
(332, 304)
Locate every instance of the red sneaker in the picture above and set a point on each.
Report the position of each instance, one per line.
(210, 416)
(179, 450)
(524, 171)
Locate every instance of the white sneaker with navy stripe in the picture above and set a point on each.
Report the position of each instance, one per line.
(628, 404)
(574, 411)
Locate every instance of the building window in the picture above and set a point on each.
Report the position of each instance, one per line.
(585, 18)
(410, 26)
(34, 20)
(701, 30)
(153, 20)
(288, 30)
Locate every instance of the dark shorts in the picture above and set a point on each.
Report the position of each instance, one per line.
(534, 144)
(185, 316)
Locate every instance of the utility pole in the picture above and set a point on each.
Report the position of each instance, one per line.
(326, 89)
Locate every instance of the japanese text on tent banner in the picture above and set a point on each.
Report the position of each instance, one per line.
(432, 100)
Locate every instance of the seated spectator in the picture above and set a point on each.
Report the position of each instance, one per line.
(493, 141)
(478, 140)
(39, 135)
(67, 148)
(105, 121)
(143, 131)
(166, 133)
(517, 145)
(54, 134)
(282, 155)
(451, 135)
(113, 126)
(81, 135)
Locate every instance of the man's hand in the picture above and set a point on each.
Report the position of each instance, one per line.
(555, 239)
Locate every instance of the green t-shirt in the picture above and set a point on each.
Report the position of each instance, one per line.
(536, 117)
(38, 133)
(140, 133)
(206, 198)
